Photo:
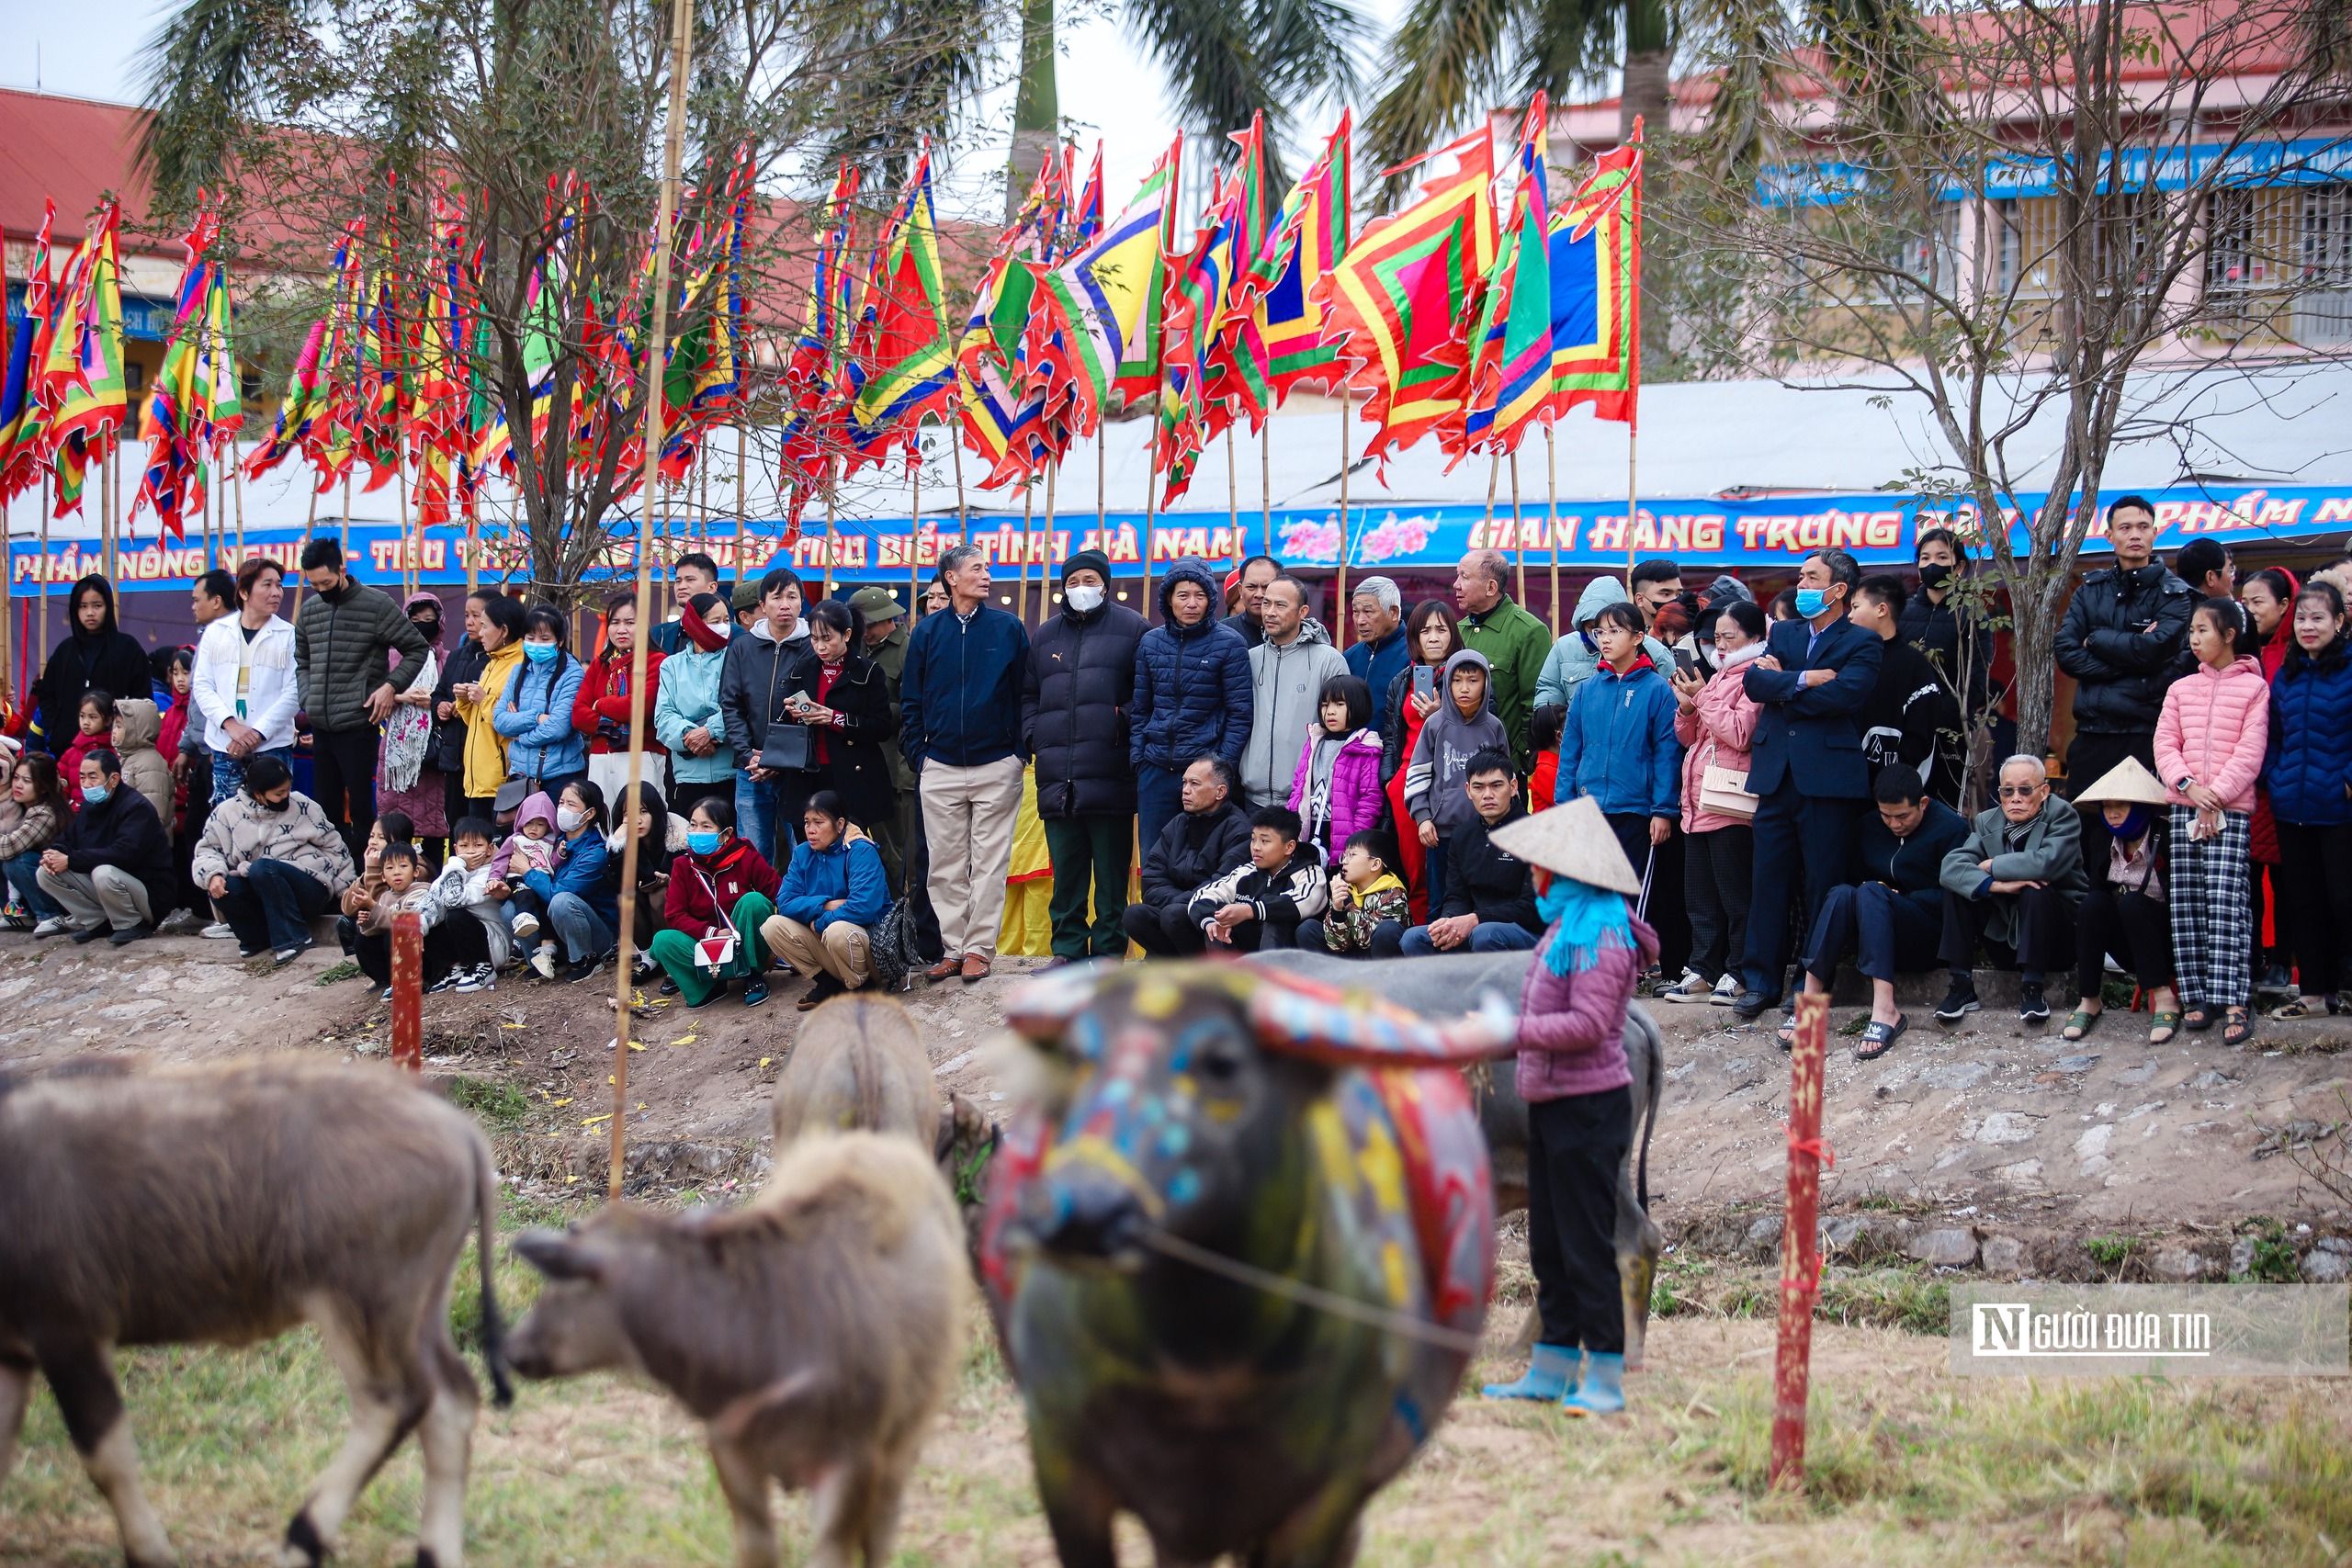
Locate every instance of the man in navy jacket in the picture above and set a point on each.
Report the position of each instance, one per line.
(959, 698)
(1806, 762)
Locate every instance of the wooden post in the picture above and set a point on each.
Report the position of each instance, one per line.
(682, 24)
(1552, 479)
(408, 991)
(1800, 1242)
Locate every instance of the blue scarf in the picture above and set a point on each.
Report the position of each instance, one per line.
(1584, 920)
(2136, 823)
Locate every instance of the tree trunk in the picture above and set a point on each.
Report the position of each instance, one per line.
(1648, 81)
(1036, 109)
(2036, 603)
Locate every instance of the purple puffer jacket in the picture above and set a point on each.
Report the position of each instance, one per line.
(1357, 799)
(1572, 1027)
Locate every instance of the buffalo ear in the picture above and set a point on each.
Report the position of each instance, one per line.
(557, 1256)
(1042, 1008)
(1361, 1031)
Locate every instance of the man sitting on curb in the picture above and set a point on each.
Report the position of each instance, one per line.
(1258, 904)
(1893, 918)
(1209, 836)
(2014, 883)
(111, 865)
(1489, 893)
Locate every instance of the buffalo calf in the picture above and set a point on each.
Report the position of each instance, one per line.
(859, 1065)
(226, 1205)
(814, 1332)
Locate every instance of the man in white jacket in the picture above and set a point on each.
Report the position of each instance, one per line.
(244, 681)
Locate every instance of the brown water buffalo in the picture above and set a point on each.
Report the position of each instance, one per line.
(814, 1332)
(226, 1205)
(1239, 1244)
(859, 1063)
(1451, 985)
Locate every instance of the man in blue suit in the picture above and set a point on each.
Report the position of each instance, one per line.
(1806, 764)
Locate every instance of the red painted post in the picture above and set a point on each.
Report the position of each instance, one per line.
(408, 991)
(1800, 1242)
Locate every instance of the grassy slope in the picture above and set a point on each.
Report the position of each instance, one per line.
(1910, 1466)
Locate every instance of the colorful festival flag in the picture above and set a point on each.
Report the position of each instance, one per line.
(82, 376)
(1596, 264)
(1510, 370)
(1401, 301)
(1003, 420)
(22, 419)
(1275, 339)
(173, 423)
(1097, 330)
(811, 376)
(904, 362)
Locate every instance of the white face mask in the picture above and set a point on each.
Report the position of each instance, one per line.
(567, 820)
(1084, 600)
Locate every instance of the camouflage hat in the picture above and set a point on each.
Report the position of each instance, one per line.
(747, 595)
(876, 604)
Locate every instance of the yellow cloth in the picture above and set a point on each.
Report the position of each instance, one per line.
(1028, 928)
(485, 748)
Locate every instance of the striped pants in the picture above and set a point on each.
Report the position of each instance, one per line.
(2212, 913)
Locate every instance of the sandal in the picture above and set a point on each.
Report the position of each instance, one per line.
(2163, 1027)
(2080, 1022)
(2299, 1008)
(1878, 1038)
(2197, 1019)
(1788, 1033)
(2240, 1030)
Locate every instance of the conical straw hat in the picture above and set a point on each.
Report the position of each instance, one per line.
(2129, 780)
(1575, 841)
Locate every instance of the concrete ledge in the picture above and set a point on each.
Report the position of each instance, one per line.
(1995, 987)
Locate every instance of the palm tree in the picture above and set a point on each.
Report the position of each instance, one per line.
(1453, 60)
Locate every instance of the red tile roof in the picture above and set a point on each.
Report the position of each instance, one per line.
(75, 150)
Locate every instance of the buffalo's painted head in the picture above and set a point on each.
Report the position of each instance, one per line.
(1187, 1100)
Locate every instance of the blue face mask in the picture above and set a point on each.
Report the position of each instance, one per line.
(538, 652)
(703, 844)
(1811, 601)
(97, 796)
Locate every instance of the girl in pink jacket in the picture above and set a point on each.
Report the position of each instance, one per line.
(1335, 791)
(2209, 743)
(1716, 720)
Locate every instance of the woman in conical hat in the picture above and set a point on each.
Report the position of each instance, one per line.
(1572, 1074)
(2126, 912)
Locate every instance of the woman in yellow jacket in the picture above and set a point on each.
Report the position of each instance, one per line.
(477, 700)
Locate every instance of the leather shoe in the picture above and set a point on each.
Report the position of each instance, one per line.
(945, 969)
(1750, 1006)
(976, 969)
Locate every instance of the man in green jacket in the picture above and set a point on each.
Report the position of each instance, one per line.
(1514, 642)
(344, 638)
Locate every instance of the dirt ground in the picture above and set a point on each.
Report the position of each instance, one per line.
(1987, 1131)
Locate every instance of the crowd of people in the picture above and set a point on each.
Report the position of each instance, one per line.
(823, 777)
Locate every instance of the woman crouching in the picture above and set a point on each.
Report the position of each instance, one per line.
(1572, 1073)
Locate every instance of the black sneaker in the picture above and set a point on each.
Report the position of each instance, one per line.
(717, 992)
(755, 993)
(129, 934)
(285, 955)
(1750, 1006)
(83, 938)
(587, 969)
(824, 990)
(669, 986)
(1962, 1001)
(2032, 1007)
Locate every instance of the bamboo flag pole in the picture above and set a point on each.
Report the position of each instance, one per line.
(1518, 538)
(1045, 567)
(1028, 513)
(44, 571)
(1232, 492)
(741, 512)
(833, 514)
(1266, 472)
(237, 493)
(914, 535)
(681, 23)
(1101, 495)
(106, 524)
(345, 542)
(1494, 475)
(1633, 505)
(309, 522)
(402, 481)
(1552, 482)
(1150, 516)
(1347, 621)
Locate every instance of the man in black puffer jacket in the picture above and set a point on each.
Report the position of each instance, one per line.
(2124, 640)
(1075, 691)
(344, 635)
(1208, 838)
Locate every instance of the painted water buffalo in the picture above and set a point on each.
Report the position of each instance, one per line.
(1449, 985)
(1205, 1157)
(226, 1205)
(814, 1332)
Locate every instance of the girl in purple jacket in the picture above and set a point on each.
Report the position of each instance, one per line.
(1337, 791)
(1572, 1073)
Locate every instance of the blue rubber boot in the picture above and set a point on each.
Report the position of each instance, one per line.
(1551, 1375)
(1602, 1391)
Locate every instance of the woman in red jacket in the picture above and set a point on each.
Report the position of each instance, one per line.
(719, 888)
(601, 710)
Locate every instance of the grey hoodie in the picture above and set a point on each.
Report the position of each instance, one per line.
(1287, 688)
(1574, 658)
(1435, 776)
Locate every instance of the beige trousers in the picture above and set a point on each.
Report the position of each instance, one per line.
(839, 951)
(107, 896)
(967, 816)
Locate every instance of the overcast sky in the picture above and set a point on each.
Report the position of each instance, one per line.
(90, 48)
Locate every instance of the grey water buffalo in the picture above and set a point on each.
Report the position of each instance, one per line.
(814, 1332)
(1451, 985)
(225, 1205)
(859, 1063)
(1239, 1245)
